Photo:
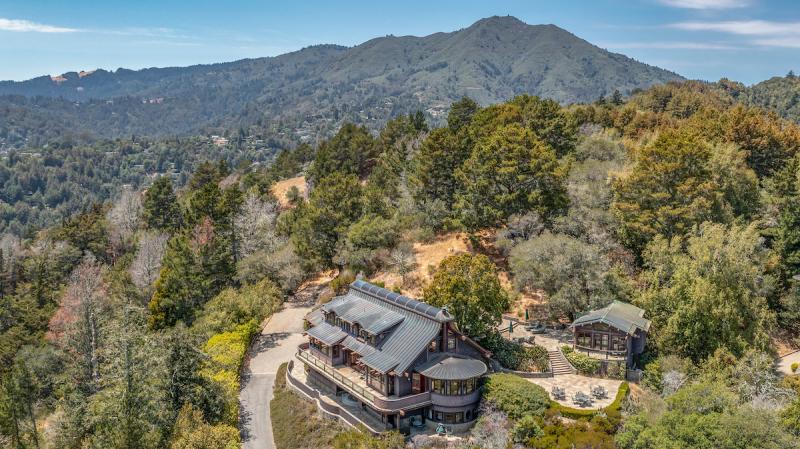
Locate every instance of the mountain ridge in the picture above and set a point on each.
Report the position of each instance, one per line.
(318, 87)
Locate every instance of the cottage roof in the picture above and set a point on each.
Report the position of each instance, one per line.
(620, 315)
(452, 367)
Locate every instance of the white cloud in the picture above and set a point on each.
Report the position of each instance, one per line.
(706, 4)
(743, 27)
(27, 26)
(670, 45)
(785, 42)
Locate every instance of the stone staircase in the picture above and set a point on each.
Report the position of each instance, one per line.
(559, 363)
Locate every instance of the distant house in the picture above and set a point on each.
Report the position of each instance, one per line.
(615, 332)
(402, 361)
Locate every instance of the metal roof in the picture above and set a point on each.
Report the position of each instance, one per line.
(315, 317)
(324, 332)
(452, 367)
(404, 302)
(359, 347)
(372, 317)
(620, 315)
(411, 324)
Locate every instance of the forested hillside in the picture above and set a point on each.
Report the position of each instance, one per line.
(309, 93)
(41, 187)
(126, 324)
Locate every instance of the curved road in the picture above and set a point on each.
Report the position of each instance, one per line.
(276, 344)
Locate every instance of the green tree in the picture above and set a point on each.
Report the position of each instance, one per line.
(710, 296)
(576, 276)
(469, 287)
(180, 287)
(352, 151)
(432, 176)
(460, 115)
(316, 226)
(509, 172)
(547, 121)
(670, 189)
(160, 206)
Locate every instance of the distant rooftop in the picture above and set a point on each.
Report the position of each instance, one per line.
(620, 315)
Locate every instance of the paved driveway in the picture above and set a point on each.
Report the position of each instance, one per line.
(276, 344)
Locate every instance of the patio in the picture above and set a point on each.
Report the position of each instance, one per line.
(573, 383)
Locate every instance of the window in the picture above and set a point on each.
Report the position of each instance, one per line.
(432, 346)
(336, 351)
(453, 388)
(416, 383)
(438, 416)
(376, 380)
(437, 386)
(451, 343)
(585, 339)
(469, 386)
(617, 343)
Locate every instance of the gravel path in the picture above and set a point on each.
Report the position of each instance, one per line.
(276, 344)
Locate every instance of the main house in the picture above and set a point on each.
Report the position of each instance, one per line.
(402, 361)
(615, 332)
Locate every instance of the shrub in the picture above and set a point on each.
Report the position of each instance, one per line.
(226, 351)
(342, 282)
(517, 357)
(515, 396)
(583, 363)
(233, 307)
(526, 428)
(192, 432)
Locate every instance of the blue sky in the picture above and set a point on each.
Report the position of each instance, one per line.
(745, 40)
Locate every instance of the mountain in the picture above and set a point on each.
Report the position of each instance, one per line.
(309, 92)
(781, 94)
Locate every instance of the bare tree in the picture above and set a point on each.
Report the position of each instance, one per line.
(255, 226)
(491, 430)
(402, 260)
(78, 321)
(10, 257)
(147, 264)
(124, 218)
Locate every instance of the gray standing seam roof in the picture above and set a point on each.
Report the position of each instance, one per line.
(418, 324)
(324, 332)
(620, 315)
(315, 317)
(452, 367)
(373, 318)
(404, 302)
(359, 347)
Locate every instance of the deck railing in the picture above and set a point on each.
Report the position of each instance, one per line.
(335, 375)
(605, 352)
(382, 403)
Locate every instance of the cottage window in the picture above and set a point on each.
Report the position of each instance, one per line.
(617, 343)
(585, 339)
